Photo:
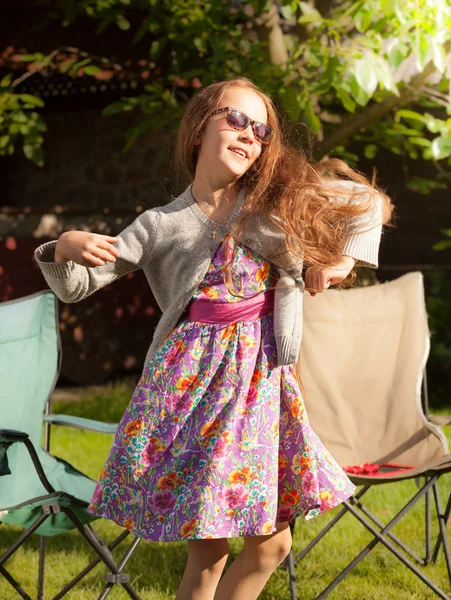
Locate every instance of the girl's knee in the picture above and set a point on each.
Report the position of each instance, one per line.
(272, 549)
(209, 555)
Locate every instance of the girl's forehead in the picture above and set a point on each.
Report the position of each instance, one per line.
(246, 101)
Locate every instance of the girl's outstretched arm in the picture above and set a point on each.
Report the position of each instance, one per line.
(365, 230)
(72, 280)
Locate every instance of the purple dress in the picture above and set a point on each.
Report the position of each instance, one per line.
(215, 441)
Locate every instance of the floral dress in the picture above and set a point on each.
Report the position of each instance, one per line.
(215, 441)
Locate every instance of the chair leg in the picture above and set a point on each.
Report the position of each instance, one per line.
(329, 526)
(89, 567)
(439, 539)
(17, 544)
(15, 584)
(382, 537)
(288, 563)
(442, 518)
(106, 590)
(96, 544)
(41, 567)
(427, 500)
(21, 539)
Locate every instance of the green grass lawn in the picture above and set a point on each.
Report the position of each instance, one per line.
(156, 568)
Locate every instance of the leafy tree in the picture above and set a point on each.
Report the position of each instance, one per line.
(373, 71)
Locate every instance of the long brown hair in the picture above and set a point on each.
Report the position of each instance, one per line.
(292, 190)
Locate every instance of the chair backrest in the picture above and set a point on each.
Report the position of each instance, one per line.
(30, 354)
(363, 355)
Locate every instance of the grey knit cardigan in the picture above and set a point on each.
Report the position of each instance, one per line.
(174, 245)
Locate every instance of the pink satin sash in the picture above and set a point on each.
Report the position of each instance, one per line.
(205, 311)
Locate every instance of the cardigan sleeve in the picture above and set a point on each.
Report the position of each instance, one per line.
(73, 282)
(365, 230)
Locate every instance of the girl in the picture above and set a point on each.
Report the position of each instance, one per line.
(215, 442)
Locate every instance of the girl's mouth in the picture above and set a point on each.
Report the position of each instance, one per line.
(238, 153)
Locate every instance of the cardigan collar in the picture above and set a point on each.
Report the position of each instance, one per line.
(261, 235)
(191, 202)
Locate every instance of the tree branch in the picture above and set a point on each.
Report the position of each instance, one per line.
(269, 29)
(372, 113)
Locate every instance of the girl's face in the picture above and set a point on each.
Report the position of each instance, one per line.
(219, 138)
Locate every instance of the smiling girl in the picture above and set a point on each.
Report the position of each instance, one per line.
(215, 442)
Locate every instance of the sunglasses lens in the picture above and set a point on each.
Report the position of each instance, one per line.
(240, 121)
(237, 119)
(262, 131)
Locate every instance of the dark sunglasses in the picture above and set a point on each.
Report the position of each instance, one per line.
(240, 121)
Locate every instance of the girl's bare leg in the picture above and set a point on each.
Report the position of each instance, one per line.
(206, 561)
(260, 557)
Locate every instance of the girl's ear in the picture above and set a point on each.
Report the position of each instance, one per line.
(198, 139)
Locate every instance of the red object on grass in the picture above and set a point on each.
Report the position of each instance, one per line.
(374, 469)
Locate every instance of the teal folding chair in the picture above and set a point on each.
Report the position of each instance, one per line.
(42, 493)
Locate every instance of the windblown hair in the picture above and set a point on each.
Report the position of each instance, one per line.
(284, 184)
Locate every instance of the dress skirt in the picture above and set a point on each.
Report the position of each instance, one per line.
(215, 441)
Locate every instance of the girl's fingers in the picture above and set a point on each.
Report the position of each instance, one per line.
(108, 238)
(109, 248)
(93, 261)
(104, 254)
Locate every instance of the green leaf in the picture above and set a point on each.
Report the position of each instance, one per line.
(310, 119)
(155, 48)
(291, 102)
(6, 80)
(385, 75)
(115, 108)
(287, 12)
(370, 151)
(122, 22)
(365, 75)
(33, 100)
(78, 65)
(419, 141)
(434, 125)
(310, 17)
(399, 129)
(34, 153)
(92, 70)
(397, 52)
(346, 100)
(362, 19)
(388, 7)
(409, 114)
(31, 57)
(421, 48)
(443, 245)
(441, 147)
(67, 65)
(358, 92)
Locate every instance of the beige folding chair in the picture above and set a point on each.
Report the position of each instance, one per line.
(363, 362)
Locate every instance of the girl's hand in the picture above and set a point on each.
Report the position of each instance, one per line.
(85, 248)
(318, 279)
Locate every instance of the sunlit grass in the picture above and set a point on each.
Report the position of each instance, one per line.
(156, 568)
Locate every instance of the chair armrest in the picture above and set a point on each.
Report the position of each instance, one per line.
(81, 423)
(10, 436)
(440, 420)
